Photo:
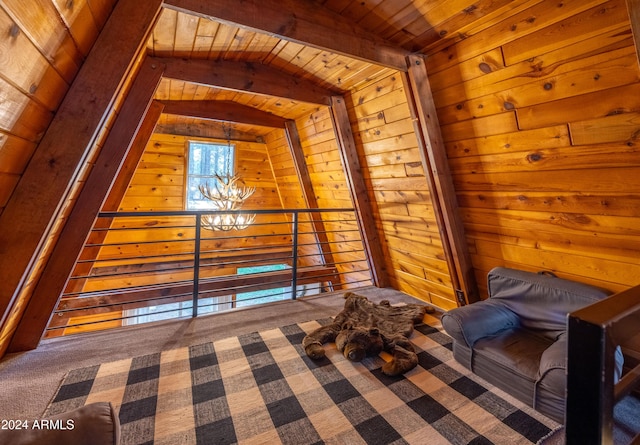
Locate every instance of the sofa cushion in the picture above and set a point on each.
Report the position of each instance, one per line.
(510, 361)
(518, 350)
(541, 301)
(93, 424)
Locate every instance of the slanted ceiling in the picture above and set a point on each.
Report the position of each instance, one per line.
(258, 66)
(536, 103)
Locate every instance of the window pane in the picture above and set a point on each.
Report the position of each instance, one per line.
(205, 161)
(195, 200)
(195, 158)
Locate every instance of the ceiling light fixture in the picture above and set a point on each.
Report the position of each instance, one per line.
(227, 194)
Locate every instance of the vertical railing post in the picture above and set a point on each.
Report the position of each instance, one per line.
(294, 266)
(196, 266)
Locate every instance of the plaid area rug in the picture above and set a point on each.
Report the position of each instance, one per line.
(261, 388)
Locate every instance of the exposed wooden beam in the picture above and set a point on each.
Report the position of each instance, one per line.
(39, 197)
(436, 168)
(117, 192)
(633, 6)
(78, 225)
(128, 168)
(223, 111)
(358, 191)
(246, 76)
(305, 22)
(295, 147)
(201, 129)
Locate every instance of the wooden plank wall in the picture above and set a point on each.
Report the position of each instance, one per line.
(158, 185)
(284, 170)
(37, 65)
(290, 189)
(327, 175)
(385, 136)
(540, 115)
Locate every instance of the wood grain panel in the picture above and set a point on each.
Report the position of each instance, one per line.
(610, 73)
(513, 26)
(80, 23)
(21, 62)
(599, 269)
(543, 147)
(444, 30)
(599, 104)
(14, 154)
(624, 128)
(22, 116)
(483, 126)
(609, 247)
(592, 22)
(396, 180)
(40, 21)
(618, 204)
(593, 180)
(552, 159)
(549, 137)
(495, 88)
(467, 70)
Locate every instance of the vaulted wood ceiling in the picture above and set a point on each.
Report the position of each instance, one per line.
(335, 45)
(252, 64)
(256, 53)
(94, 112)
(226, 40)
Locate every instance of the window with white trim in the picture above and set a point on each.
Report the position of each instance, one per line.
(205, 160)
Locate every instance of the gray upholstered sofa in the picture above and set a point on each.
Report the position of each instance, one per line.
(516, 339)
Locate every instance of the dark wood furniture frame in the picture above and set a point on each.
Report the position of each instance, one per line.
(594, 334)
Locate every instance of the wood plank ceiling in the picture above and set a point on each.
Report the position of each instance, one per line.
(343, 62)
(54, 38)
(413, 26)
(323, 46)
(181, 35)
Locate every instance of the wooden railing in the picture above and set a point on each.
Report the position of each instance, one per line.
(167, 261)
(595, 332)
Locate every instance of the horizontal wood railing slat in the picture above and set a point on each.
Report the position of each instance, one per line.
(139, 296)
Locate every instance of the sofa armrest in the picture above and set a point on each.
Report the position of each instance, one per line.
(468, 324)
(555, 357)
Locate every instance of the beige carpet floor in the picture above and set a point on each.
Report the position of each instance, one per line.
(29, 380)
(261, 388)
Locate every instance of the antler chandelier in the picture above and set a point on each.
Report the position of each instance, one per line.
(227, 195)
